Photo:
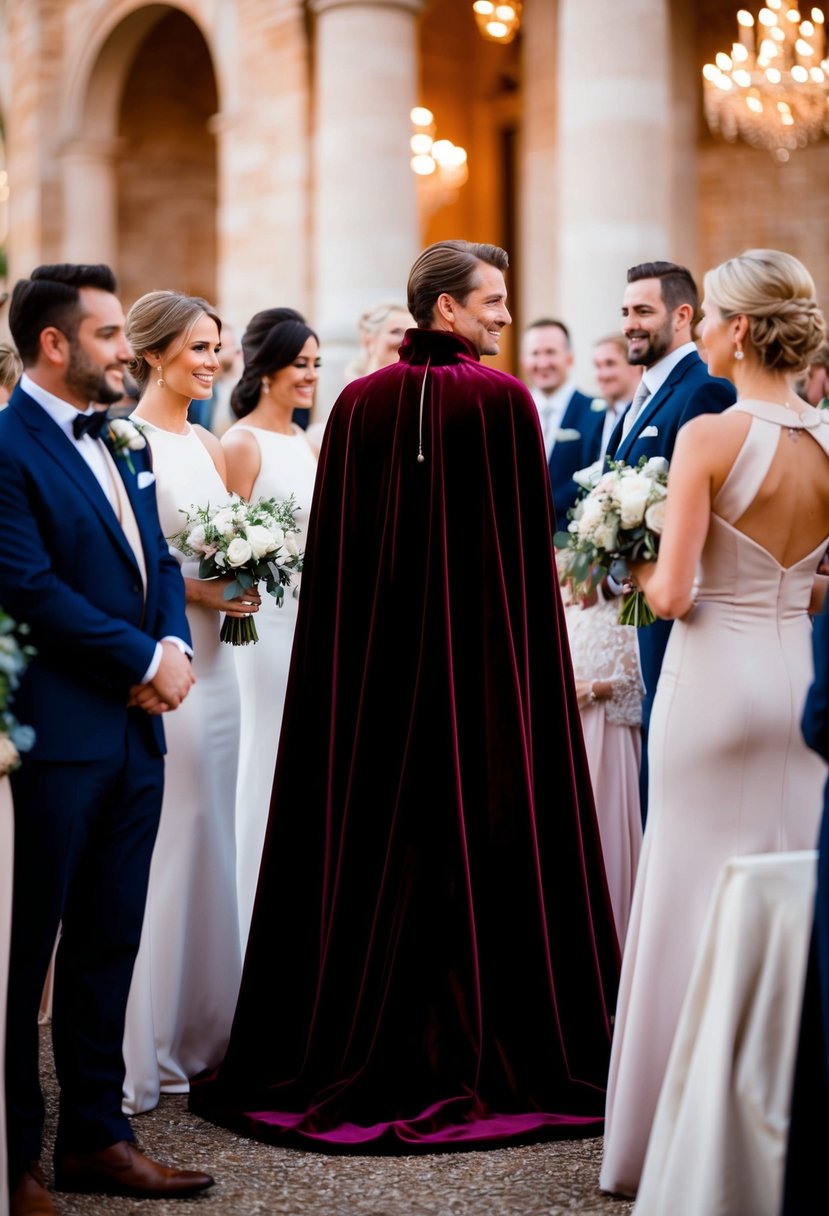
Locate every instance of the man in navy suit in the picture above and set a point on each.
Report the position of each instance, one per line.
(84, 563)
(572, 429)
(658, 314)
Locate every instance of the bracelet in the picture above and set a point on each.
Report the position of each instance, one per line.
(591, 697)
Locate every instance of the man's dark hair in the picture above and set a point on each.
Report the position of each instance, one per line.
(50, 298)
(550, 323)
(678, 286)
(451, 267)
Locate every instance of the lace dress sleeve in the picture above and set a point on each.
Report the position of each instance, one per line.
(602, 649)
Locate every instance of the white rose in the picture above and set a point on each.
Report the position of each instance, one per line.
(632, 494)
(128, 434)
(655, 467)
(239, 552)
(290, 544)
(277, 534)
(9, 758)
(260, 539)
(592, 514)
(224, 524)
(607, 534)
(655, 516)
(195, 539)
(587, 478)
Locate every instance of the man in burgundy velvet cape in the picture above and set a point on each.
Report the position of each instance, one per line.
(432, 962)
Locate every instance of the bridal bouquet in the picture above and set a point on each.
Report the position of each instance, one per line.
(14, 655)
(254, 542)
(618, 519)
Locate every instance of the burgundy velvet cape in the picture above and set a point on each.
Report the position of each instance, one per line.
(432, 959)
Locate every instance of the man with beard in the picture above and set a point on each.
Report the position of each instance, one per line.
(659, 310)
(84, 564)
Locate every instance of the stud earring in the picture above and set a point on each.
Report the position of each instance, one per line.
(160, 380)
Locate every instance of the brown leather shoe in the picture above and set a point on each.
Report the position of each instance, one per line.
(30, 1197)
(122, 1170)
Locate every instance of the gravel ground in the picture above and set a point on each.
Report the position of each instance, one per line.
(257, 1180)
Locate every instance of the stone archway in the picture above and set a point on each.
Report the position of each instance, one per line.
(140, 171)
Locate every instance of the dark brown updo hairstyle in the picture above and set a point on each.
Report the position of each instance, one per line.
(272, 340)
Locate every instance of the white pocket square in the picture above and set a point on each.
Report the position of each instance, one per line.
(650, 432)
(145, 478)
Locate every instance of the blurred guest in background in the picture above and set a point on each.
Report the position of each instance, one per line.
(11, 369)
(381, 329)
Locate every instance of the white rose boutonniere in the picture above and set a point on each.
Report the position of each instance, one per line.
(125, 437)
(598, 405)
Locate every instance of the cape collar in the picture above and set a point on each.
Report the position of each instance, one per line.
(436, 346)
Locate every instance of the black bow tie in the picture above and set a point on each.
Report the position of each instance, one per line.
(90, 424)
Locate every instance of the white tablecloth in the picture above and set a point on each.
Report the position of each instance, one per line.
(6, 847)
(718, 1142)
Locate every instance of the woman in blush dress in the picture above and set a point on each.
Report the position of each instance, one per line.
(268, 456)
(189, 964)
(748, 501)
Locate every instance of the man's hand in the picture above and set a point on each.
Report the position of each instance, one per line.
(144, 696)
(174, 677)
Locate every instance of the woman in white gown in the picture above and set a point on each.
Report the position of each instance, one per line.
(268, 456)
(748, 499)
(189, 963)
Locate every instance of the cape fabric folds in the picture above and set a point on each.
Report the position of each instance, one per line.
(432, 960)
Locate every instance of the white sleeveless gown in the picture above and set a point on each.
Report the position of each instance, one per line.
(189, 964)
(288, 466)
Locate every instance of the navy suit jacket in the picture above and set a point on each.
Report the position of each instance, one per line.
(67, 570)
(577, 452)
(687, 392)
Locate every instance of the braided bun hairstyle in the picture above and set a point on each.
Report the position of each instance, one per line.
(776, 293)
(272, 340)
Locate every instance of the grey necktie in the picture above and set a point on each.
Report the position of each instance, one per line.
(639, 399)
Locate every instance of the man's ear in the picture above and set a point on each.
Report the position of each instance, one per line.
(683, 315)
(446, 308)
(54, 345)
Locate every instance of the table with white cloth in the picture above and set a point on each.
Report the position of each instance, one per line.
(718, 1143)
(6, 857)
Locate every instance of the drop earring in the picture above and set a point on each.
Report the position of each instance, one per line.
(266, 386)
(160, 380)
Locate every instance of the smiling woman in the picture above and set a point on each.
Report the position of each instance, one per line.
(189, 963)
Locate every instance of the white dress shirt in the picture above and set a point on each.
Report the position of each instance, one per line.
(551, 410)
(656, 375)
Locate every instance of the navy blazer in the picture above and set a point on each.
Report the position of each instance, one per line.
(67, 570)
(582, 448)
(687, 392)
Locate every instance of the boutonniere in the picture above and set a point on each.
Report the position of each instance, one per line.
(598, 405)
(824, 406)
(125, 437)
(567, 433)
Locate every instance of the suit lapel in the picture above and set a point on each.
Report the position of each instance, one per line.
(66, 457)
(655, 403)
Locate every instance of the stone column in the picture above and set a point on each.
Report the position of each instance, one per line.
(614, 157)
(365, 231)
(538, 200)
(90, 201)
(262, 158)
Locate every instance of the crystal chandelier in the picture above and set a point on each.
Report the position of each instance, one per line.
(497, 22)
(772, 90)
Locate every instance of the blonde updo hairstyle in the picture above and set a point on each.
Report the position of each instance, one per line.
(160, 324)
(776, 294)
(368, 326)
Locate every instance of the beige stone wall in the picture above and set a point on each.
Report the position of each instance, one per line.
(747, 199)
